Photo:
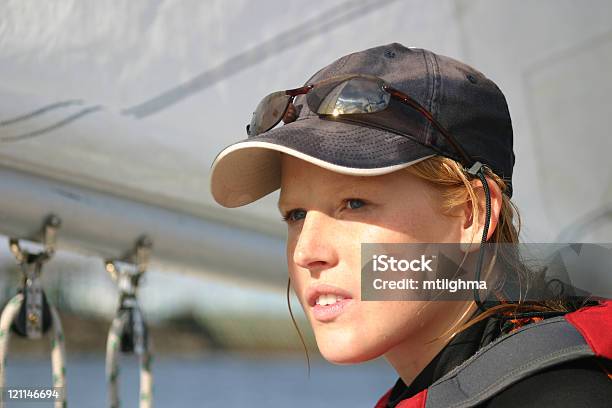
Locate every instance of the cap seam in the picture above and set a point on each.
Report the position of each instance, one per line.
(427, 133)
(435, 105)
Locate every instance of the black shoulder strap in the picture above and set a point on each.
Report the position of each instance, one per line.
(507, 360)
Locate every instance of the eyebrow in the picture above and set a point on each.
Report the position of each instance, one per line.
(344, 190)
(280, 204)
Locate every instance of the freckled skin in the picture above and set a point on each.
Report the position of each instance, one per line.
(323, 246)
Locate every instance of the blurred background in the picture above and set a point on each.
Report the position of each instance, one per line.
(112, 112)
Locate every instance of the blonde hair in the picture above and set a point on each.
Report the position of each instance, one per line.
(456, 189)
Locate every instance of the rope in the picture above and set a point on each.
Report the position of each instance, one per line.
(58, 351)
(112, 364)
(478, 170)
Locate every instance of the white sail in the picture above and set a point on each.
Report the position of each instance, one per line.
(112, 112)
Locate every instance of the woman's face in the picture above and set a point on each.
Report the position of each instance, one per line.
(329, 216)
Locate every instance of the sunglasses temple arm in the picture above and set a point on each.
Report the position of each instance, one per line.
(299, 91)
(450, 139)
(468, 161)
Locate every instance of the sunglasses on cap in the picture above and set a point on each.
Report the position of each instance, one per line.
(364, 99)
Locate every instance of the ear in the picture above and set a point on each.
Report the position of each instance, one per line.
(472, 229)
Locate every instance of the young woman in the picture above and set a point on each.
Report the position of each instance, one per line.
(400, 145)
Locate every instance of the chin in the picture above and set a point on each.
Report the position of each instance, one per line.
(341, 346)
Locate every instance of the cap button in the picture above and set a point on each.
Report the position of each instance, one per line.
(389, 54)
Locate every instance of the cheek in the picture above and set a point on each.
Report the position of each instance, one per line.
(419, 223)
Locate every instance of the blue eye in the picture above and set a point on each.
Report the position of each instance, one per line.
(299, 213)
(294, 215)
(354, 203)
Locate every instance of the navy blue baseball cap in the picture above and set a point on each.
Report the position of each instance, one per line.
(468, 104)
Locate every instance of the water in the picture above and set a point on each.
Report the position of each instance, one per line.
(213, 381)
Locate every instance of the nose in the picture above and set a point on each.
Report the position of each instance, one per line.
(315, 248)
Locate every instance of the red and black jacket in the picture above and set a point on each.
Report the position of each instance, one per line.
(562, 361)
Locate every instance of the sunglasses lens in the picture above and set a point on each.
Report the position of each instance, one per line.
(356, 95)
(268, 113)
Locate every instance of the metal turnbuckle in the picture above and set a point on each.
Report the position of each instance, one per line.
(128, 332)
(30, 315)
(34, 317)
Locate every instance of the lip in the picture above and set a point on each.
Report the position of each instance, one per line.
(313, 292)
(329, 313)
